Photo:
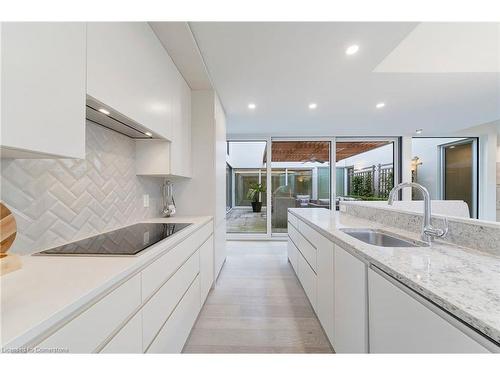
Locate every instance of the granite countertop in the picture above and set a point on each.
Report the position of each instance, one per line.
(47, 290)
(464, 282)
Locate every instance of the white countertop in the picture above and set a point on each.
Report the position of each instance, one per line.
(48, 289)
(464, 282)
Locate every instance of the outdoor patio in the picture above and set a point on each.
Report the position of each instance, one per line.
(243, 220)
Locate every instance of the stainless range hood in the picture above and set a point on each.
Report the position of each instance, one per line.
(106, 116)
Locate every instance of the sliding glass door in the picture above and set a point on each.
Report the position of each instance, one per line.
(300, 177)
(365, 169)
(246, 181)
(267, 177)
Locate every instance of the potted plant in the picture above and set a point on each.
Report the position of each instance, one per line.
(254, 193)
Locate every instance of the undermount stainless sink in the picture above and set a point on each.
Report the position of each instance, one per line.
(381, 238)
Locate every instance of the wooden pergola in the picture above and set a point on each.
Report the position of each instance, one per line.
(318, 151)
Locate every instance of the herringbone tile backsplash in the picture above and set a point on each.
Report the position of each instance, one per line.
(61, 200)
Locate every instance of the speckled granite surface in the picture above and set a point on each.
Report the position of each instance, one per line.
(475, 234)
(464, 282)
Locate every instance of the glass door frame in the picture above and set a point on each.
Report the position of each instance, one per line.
(333, 172)
(396, 154)
(475, 171)
(332, 141)
(254, 236)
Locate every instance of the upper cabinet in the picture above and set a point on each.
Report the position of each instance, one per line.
(180, 151)
(130, 71)
(156, 157)
(43, 90)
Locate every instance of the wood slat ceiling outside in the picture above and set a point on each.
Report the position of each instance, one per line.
(301, 151)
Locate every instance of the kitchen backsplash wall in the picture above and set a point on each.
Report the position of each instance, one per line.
(61, 200)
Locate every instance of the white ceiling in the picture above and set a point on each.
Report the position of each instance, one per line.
(447, 48)
(282, 67)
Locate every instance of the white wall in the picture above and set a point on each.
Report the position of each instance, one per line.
(498, 173)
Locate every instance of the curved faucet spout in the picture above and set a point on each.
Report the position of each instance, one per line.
(428, 232)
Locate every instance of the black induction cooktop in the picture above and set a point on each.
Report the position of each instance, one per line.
(124, 241)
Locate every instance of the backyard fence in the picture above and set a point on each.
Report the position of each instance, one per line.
(375, 181)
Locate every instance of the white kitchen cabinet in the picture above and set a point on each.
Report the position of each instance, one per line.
(155, 275)
(170, 158)
(86, 332)
(128, 339)
(325, 286)
(206, 268)
(43, 70)
(129, 70)
(400, 322)
(180, 148)
(351, 304)
(176, 330)
(312, 257)
(155, 157)
(307, 278)
(157, 310)
(293, 254)
(204, 194)
(308, 250)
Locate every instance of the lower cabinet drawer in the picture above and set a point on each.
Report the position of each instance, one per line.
(86, 332)
(307, 278)
(128, 339)
(206, 268)
(158, 309)
(174, 333)
(160, 270)
(293, 234)
(293, 254)
(293, 220)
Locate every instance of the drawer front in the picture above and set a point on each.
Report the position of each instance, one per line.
(312, 235)
(308, 280)
(160, 270)
(129, 339)
(326, 287)
(293, 234)
(308, 251)
(174, 333)
(91, 328)
(293, 255)
(157, 310)
(206, 267)
(293, 220)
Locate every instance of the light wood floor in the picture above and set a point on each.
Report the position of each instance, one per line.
(258, 306)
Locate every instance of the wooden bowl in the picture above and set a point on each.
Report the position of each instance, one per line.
(8, 231)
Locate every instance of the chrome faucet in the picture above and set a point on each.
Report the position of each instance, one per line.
(428, 231)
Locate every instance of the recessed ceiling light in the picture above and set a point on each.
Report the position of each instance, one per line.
(419, 131)
(380, 105)
(351, 50)
(251, 106)
(452, 146)
(313, 106)
(103, 110)
(149, 134)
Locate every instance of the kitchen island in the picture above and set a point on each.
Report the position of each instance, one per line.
(376, 292)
